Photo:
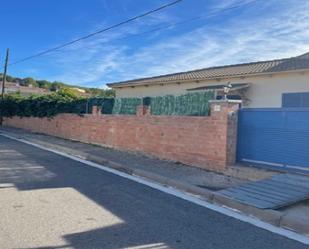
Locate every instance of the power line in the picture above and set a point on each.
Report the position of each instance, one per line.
(212, 13)
(97, 32)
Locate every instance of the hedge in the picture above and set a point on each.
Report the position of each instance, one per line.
(46, 105)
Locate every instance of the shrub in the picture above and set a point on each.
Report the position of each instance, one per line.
(41, 106)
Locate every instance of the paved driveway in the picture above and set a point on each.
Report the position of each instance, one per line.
(48, 201)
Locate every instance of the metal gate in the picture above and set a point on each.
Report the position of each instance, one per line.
(276, 137)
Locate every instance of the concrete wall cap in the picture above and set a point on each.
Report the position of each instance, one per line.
(226, 101)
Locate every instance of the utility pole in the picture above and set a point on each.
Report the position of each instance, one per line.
(3, 82)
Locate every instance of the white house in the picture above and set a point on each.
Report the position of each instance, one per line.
(274, 83)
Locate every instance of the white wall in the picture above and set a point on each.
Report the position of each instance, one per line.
(264, 91)
(267, 91)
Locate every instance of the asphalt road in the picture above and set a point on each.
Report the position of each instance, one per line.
(48, 201)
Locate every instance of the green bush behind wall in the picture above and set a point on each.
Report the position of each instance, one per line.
(46, 105)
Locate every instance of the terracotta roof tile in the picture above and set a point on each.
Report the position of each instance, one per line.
(261, 67)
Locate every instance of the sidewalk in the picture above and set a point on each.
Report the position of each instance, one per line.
(192, 180)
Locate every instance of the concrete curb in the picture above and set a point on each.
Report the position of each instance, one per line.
(270, 216)
(295, 224)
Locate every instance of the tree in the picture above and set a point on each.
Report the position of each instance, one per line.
(110, 93)
(43, 84)
(68, 92)
(55, 86)
(28, 81)
(9, 78)
(100, 92)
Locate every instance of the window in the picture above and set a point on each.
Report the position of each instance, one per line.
(231, 97)
(295, 99)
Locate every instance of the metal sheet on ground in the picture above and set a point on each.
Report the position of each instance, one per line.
(278, 191)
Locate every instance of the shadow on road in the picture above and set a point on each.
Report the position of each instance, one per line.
(151, 219)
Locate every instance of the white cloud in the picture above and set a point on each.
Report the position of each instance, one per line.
(247, 37)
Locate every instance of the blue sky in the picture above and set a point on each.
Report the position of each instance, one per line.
(257, 30)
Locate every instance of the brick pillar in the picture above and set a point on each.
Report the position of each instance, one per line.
(143, 110)
(225, 112)
(96, 110)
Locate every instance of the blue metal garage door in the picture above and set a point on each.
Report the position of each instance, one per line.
(277, 137)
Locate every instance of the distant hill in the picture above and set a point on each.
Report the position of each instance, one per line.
(54, 86)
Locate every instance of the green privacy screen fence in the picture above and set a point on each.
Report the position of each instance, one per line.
(191, 104)
(126, 105)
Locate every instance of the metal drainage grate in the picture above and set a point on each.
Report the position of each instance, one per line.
(272, 193)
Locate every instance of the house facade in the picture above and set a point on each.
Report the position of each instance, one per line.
(264, 84)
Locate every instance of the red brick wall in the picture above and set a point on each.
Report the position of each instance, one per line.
(207, 142)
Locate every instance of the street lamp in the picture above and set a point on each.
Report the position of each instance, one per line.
(226, 89)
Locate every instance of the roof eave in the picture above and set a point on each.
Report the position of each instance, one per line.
(132, 84)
